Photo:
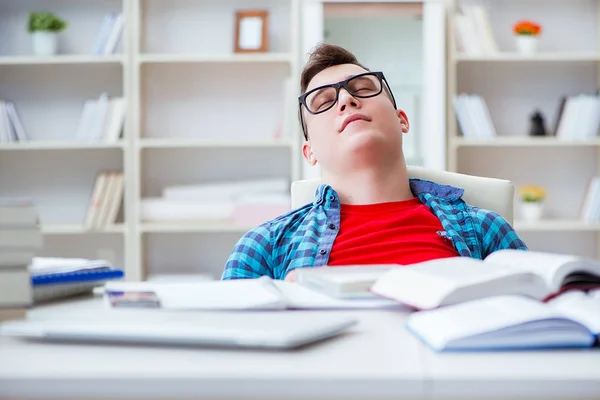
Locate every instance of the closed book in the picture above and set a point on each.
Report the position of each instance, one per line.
(352, 281)
(537, 275)
(510, 322)
(14, 238)
(15, 287)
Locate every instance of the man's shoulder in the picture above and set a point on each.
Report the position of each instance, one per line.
(286, 222)
(486, 219)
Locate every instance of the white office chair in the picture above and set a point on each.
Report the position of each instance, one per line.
(488, 193)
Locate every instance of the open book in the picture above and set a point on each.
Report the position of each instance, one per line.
(511, 322)
(454, 280)
(244, 294)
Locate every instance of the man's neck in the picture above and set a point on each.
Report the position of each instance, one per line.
(371, 186)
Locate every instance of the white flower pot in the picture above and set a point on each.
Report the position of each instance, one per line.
(44, 43)
(531, 211)
(527, 44)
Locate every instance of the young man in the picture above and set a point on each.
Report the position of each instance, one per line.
(367, 210)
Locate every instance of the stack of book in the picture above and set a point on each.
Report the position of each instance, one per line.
(243, 202)
(101, 119)
(512, 300)
(20, 239)
(11, 129)
(105, 200)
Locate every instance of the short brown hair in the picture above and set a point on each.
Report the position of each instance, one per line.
(323, 57)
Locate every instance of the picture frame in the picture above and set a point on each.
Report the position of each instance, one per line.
(251, 31)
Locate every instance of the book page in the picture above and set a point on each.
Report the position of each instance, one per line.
(300, 297)
(581, 307)
(551, 267)
(242, 294)
(442, 326)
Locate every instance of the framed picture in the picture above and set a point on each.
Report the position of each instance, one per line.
(251, 31)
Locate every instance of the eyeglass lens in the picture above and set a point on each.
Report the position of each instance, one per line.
(360, 86)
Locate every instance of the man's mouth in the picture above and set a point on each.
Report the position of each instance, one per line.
(352, 118)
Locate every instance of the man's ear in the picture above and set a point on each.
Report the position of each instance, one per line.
(404, 124)
(308, 153)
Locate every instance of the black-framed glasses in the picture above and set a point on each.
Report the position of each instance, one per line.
(323, 98)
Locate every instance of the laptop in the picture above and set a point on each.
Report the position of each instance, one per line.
(279, 330)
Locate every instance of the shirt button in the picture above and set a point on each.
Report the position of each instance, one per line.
(332, 198)
(322, 251)
(331, 226)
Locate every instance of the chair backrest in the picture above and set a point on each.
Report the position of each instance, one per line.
(488, 193)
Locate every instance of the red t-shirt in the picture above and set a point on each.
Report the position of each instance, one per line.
(401, 232)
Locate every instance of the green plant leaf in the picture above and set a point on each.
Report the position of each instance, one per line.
(45, 21)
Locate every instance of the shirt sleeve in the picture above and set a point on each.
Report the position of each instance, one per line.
(251, 255)
(497, 233)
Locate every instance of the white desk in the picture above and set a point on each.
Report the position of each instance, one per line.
(377, 359)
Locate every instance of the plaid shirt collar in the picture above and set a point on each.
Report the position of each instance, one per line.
(326, 195)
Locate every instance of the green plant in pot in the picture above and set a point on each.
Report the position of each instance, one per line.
(44, 28)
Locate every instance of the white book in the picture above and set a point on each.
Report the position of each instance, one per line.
(447, 281)
(587, 208)
(4, 124)
(482, 23)
(163, 210)
(105, 203)
(225, 190)
(98, 121)
(486, 119)
(567, 119)
(466, 35)
(258, 294)
(510, 322)
(115, 120)
(15, 287)
(349, 281)
(115, 198)
(86, 120)
(19, 131)
(115, 34)
(96, 199)
(21, 239)
(463, 116)
(103, 33)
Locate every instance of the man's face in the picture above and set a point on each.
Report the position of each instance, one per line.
(354, 128)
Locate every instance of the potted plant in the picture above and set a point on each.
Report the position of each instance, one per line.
(527, 36)
(532, 202)
(44, 28)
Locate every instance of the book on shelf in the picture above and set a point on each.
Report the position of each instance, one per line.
(511, 322)
(473, 31)
(578, 117)
(590, 208)
(11, 128)
(538, 275)
(20, 240)
(243, 202)
(105, 200)
(473, 116)
(102, 119)
(110, 33)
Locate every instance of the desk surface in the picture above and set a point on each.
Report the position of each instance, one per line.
(376, 359)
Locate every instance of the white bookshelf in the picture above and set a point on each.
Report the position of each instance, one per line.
(204, 114)
(52, 167)
(513, 85)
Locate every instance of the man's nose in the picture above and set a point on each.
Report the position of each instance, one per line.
(345, 99)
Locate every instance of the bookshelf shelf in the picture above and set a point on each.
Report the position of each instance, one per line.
(216, 58)
(508, 141)
(62, 59)
(490, 82)
(59, 145)
(198, 227)
(152, 143)
(537, 57)
(557, 225)
(77, 229)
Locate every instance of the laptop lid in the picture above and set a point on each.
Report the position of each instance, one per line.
(279, 330)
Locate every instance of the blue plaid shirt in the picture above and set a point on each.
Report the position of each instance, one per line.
(304, 237)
